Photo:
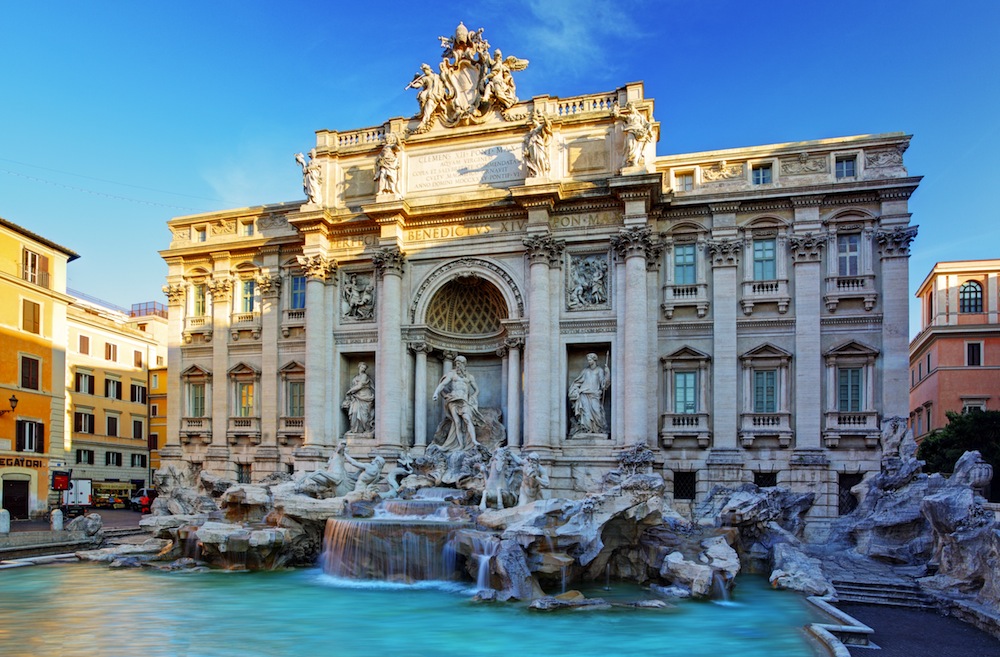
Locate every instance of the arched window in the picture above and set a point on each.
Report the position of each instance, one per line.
(970, 297)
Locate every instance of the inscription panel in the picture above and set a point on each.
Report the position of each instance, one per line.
(495, 166)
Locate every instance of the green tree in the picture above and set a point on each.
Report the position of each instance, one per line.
(974, 430)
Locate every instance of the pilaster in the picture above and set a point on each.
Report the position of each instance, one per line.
(807, 252)
(388, 390)
(894, 249)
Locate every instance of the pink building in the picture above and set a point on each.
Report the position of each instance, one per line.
(955, 359)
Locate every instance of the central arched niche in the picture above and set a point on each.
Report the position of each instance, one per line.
(466, 316)
(467, 306)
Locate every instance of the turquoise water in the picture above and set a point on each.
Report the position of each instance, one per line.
(77, 610)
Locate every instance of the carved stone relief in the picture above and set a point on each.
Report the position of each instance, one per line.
(587, 281)
(357, 296)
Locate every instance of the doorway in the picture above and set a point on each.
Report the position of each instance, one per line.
(15, 498)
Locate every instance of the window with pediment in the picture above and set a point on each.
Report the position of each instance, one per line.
(849, 402)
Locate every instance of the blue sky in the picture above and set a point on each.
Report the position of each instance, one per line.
(117, 116)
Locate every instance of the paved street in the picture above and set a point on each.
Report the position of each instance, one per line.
(917, 633)
(113, 518)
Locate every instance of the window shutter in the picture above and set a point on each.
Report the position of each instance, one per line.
(107, 387)
(40, 438)
(20, 436)
(77, 425)
(43, 271)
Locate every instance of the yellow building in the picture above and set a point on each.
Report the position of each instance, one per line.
(33, 305)
(157, 414)
(111, 351)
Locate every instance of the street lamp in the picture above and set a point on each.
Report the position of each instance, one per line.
(13, 405)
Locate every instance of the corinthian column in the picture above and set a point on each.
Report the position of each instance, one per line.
(270, 320)
(318, 269)
(539, 358)
(420, 349)
(807, 251)
(894, 248)
(176, 293)
(514, 346)
(632, 245)
(221, 289)
(389, 366)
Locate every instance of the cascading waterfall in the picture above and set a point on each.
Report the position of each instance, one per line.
(406, 541)
(484, 549)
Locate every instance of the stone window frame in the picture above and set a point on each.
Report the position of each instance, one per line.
(290, 426)
(838, 286)
(766, 356)
(677, 295)
(686, 425)
(852, 354)
(762, 166)
(970, 302)
(690, 177)
(774, 290)
(193, 375)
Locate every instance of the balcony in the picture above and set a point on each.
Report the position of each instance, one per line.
(243, 427)
(292, 318)
(200, 324)
(196, 428)
(676, 426)
(676, 296)
(755, 292)
(244, 322)
(850, 287)
(290, 429)
(838, 425)
(754, 426)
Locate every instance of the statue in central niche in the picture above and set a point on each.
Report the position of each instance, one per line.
(587, 396)
(461, 403)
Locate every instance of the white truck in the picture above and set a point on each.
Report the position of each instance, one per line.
(79, 498)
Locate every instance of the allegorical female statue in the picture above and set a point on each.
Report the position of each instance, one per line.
(587, 394)
(360, 402)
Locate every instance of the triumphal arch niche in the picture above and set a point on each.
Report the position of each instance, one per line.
(513, 268)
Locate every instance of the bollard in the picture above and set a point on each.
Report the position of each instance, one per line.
(57, 520)
(4, 521)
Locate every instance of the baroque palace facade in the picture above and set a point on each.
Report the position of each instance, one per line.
(743, 312)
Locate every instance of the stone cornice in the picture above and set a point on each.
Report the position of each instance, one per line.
(724, 207)
(809, 201)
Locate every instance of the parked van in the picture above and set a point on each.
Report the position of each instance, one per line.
(136, 499)
(78, 499)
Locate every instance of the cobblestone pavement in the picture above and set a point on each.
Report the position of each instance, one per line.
(917, 633)
(113, 518)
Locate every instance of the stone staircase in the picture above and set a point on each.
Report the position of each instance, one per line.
(889, 594)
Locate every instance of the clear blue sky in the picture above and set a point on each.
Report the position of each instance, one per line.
(117, 116)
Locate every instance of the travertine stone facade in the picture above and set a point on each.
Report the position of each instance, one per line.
(749, 304)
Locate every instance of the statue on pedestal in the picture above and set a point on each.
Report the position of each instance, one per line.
(461, 402)
(312, 177)
(638, 132)
(536, 146)
(359, 402)
(387, 167)
(587, 395)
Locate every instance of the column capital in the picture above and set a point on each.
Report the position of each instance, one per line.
(220, 288)
(388, 260)
(269, 285)
(317, 267)
(808, 247)
(895, 243)
(654, 254)
(543, 248)
(175, 293)
(635, 241)
(514, 342)
(725, 253)
(419, 347)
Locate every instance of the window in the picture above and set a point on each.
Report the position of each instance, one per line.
(765, 479)
(196, 400)
(138, 394)
(685, 485)
(848, 254)
(138, 429)
(296, 399)
(765, 391)
(244, 399)
(970, 297)
(846, 501)
(920, 371)
(35, 268)
(137, 358)
(85, 456)
(761, 174)
(155, 380)
(764, 260)
(849, 389)
(138, 460)
(684, 393)
(247, 289)
(845, 167)
(198, 300)
(84, 383)
(84, 347)
(684, 264)
(112, 388)
(154, 410)
(31, 317)
(30, 436)
(973, 354)
(200, 234)
(684, 182)
(110, 351)
(159, 361)
(928, 363)
(298, 300)
(246, 229)
(31, 373)
(973, 405)
(83, 422)
(153, 442)
(112, 426)
(243, 473)
(113, 458)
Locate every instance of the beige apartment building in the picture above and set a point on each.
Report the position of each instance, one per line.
(739, 311)
(110, 354)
